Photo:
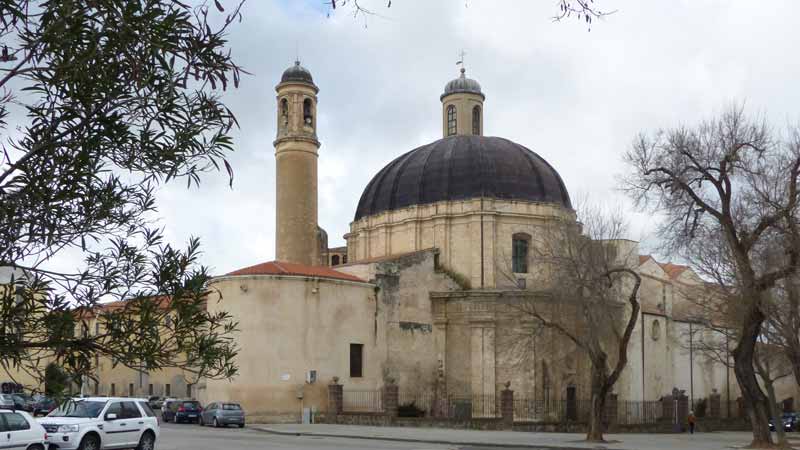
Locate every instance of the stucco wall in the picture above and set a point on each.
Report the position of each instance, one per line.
(455, 229)
(290, 325)
(405, 310)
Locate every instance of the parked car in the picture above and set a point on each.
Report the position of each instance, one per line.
(165, 407)
(7, 401)
(21, 431)
(102, 423)
(155, 402)
(44, 405)
(23, 401)
(222, 414)
(791, 422)
(182, 411)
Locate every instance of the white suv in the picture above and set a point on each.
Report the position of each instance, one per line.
(94, 423)
(18, 430)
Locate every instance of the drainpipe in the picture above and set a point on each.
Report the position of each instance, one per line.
(727, 375)
(482, 279)
(644, 373)
(691, 365)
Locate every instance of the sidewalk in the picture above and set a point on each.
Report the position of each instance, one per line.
(500, 439)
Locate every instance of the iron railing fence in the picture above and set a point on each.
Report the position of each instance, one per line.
(472, 407)
(541, 410)
(640, 412)
(424, 402)
(362, 400)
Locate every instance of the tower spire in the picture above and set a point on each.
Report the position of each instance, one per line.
(461, 62)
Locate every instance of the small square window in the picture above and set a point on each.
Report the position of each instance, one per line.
(356, 360)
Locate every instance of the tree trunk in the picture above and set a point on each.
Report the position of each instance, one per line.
(599, 392)
(753, 396)
(762, 366)
(775, 413)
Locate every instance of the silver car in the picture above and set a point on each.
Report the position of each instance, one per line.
(222, 414)
(6, 401)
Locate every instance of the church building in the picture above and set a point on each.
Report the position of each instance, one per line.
(440, 235)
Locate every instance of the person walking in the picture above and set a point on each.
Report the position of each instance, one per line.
(691, 419)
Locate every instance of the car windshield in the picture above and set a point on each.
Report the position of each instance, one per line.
(78, 408)
(191, 405)
(231, 407)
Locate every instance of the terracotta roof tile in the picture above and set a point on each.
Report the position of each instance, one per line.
(673, 270)
(162, 300)
(643, 259)
(287, 268)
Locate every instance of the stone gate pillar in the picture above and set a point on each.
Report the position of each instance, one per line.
(507, 406)
(612, 409)
(335, 398)
(391, 395)
(714, 404)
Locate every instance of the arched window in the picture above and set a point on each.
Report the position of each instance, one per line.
(519, 250)
(655, 332)
(344, 259)
(476, 120)
(284, 111)
(335, 260)
(308, 112)
(451, 120)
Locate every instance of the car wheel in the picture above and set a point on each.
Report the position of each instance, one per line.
(216, 423)
(89, 442)
(241, 425)
(35, 447)
(147, 441)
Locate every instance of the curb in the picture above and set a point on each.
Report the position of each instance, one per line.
(421, 441)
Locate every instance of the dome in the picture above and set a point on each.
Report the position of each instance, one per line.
(297, 73)
(460, 168)
(462, 84)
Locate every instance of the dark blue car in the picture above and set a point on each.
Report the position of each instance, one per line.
(181, 411)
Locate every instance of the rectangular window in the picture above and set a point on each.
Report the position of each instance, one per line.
(167, 390)
(113, 389)
(150, 389)
(188, 391)
(356, 360)
(519, 262)
(130, 389)
(96, 388)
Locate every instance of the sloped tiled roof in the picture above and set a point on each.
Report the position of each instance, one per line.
(287, 268)
(672, 270)
(161, 300)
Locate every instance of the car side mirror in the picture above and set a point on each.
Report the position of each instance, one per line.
(111, 416)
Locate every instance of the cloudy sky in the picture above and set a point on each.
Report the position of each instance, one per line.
(577, 98)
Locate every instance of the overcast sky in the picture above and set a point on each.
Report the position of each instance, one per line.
(577, 98)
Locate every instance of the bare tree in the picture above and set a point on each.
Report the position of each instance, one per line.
(587, 292)
(730, 181)
(783, 322)
(583, 10)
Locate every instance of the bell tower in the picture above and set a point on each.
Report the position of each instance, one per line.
(462, 107)
(296, 153)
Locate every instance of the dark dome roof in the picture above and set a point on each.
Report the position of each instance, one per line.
(462, 84)
(459, 168)
(297, 73)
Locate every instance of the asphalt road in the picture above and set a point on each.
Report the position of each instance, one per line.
(194, 437)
